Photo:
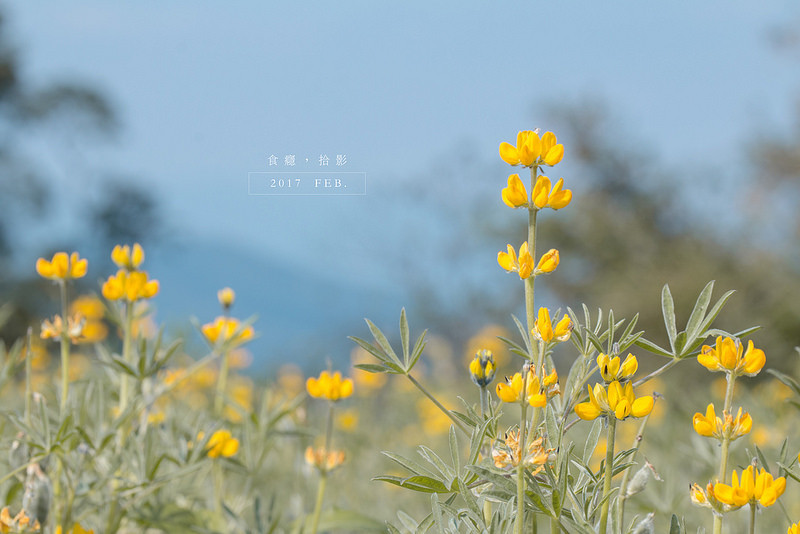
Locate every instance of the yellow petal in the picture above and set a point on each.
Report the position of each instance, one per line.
(509, 154)
(554, 155)
(642, 406)
(587, 411)
(541, 192)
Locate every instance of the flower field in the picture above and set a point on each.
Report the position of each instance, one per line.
(563, 420)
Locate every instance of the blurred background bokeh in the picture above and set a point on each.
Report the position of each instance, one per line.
(141, 121)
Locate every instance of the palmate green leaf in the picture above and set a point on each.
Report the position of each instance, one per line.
(715, 310)
(369, 347)
(668, 311)
(419, 483)
(501, 480)
(447, 472)
(416, 352)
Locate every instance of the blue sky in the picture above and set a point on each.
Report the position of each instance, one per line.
(207, 91)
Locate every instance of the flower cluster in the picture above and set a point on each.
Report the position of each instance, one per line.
(18, 523)
(515, 195)
(617, 400)
(324, 460)
(508, 453)
(729, 355)
(532, 150)
(62, 266)
(227, 331)
(57, 329)
(611, 370)
(523, 264)
(732, 428)
(543, 329)
(482, 368)
(220, 444)
(535, 393)
(329, 386)
(130, 283)
(752, 487)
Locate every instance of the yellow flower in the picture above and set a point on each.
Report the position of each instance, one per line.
(62, 266)
(547, 263)
(543, 328)
(129, 285)
(324, 460)
(128, 259)
(618, 401)
(508, 452)
(329, 386)
(221, 443)
(750, 488)
(515, 195)
(531, 150)
(537, 392)
(226, 296)
(729, 355)
(482, 368)
(794, 529)
(544, 197)
(227, 330)
(89, 306)
(54, 330)
(709, 425)
(703, 497)
(19, 523)
(523, 265)
(611, 370)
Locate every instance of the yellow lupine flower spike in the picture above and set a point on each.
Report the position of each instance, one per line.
(514, 194)
(522, 264)
(531, 150)
(329, 386)
(62, 266)
(730, 356)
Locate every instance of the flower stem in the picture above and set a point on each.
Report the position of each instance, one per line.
(222, 384)
(726, 443)
(28, 371)
(623, 487)
(127, 327)
(323, 478)
(65, 341)
(523, 423)
(529, 282)
(609, 471)
(439, 405)
(752, 517)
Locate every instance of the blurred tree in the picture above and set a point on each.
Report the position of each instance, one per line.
(74, 113)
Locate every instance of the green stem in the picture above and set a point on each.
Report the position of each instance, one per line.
(65, 341)
(530, 310)
(218, 483)
(523, 423)
(127, 327)
(609, 471)
(28, 372)
(222, 384)
(555, 525)
(323, 479)
(726, 443)
(623, 487)
(439, 405)
(752, 517)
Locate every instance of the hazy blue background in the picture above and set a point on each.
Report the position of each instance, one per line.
(206, 92)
